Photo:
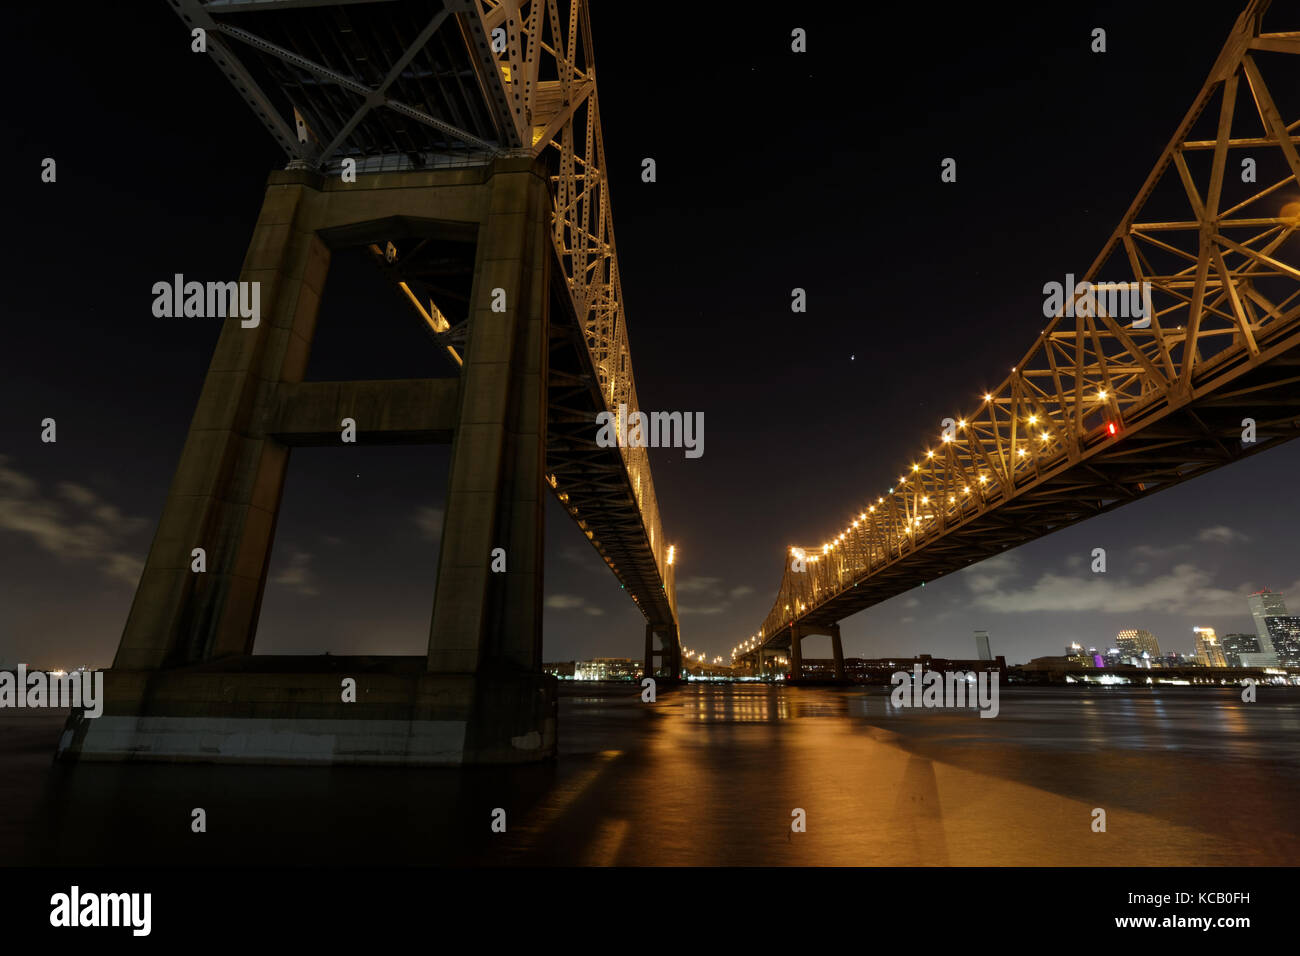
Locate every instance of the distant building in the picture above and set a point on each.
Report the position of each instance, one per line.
(1263, 605)
(1059, 664)
(982, 646)
(608, 668)
(1078, 657)
(561, 669)
(1209, 653)
(1235, 645)
(880, 669)
(1134, 641)
(1284, 638)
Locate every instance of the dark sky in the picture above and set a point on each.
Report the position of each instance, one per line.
(775, 170)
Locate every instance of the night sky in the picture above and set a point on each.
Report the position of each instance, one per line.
(775, 170)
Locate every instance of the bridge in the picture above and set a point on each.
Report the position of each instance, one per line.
(1110, 403)
(458, 146)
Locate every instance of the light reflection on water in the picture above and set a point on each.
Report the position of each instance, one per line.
(710, 774)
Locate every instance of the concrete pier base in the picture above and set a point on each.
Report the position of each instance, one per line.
(273, 710)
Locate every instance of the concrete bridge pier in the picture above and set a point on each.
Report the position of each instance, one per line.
(185, 684)
(799, 631)
(669, 652)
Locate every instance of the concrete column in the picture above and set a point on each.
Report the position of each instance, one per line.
(226, 492)
(649, 650)
(494, 499)
(672, 656)
(796, 653)
(837, 649)
(482, 698)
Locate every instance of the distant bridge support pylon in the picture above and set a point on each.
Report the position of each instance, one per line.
(669, 652)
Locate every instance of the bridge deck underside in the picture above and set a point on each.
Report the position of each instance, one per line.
(592, 482)
(1162, 447)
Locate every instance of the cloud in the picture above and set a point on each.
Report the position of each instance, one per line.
(428, 521)
(1157, 553)
(1185, 589)
(296, 576)
(712, 596)
(704, 608)
(697, 584)
(988, 575)
(572, 602)
(74, 525)
(1220, 534)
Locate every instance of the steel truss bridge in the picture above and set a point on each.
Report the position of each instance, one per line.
(1103, 410)
(401, 85)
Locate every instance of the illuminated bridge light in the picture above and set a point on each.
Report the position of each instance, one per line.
(897, 546)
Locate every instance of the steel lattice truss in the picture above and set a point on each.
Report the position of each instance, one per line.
(550, 76)
(1101, 410)
(412, 84)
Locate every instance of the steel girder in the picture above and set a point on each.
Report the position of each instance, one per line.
(1105, 408)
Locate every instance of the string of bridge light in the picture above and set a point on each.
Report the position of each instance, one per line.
(913, 522)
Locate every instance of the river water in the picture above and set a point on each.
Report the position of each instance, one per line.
(714, 774)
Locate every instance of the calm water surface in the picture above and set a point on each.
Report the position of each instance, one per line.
(710, 775)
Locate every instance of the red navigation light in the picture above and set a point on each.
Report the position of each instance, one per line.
(1111, 428)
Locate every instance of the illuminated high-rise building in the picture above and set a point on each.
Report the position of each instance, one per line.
(1134, 641)
(1263, 605)
(1208, 649)
(1284, 636)
(1240, 649)
(982, 646)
